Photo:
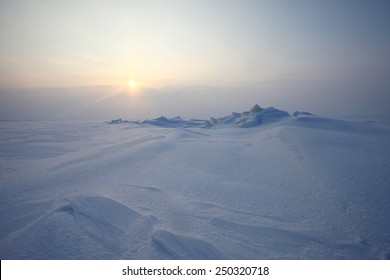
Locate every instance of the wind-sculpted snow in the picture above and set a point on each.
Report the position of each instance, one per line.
(289, 187)
(183, 247)
(176, 122)
(254, 117)
(102, 212)
(118, 121)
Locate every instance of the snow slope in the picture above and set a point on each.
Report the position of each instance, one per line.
(255, 185)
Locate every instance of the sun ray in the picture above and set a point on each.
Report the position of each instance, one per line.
(113, 91)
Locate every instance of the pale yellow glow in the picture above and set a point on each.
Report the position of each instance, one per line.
(132, 84)
(133, 87)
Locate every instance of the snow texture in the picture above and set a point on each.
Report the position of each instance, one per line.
(261, 184)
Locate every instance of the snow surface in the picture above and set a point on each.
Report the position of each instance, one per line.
(260, 184)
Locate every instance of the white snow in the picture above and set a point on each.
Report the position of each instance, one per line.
(254, 117)
(260, 184)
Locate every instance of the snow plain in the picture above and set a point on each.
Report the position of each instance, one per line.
(255, 185)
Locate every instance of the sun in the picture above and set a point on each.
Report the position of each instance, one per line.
(132, 84)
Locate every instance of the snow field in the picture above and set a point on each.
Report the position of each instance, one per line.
(255, 185)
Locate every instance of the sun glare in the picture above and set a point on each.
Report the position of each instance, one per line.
(132, 84)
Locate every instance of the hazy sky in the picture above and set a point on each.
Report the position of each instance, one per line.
(194, 58)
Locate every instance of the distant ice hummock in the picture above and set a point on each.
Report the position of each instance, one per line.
(254, 117)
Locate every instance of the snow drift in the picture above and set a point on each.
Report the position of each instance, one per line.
(254, 117)
(260, 184)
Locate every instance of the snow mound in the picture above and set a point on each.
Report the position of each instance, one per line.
(118, 121)
(254, 117)
(90, 227)
(255, 109)
(104, 212)
(21, 215)
(177, 122)
(186, 248)
(298, 113)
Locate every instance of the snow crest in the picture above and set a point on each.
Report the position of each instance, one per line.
(254, 117)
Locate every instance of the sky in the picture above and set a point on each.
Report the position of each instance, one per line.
(75, 59)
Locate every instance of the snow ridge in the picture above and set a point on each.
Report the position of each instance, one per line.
(254, 117)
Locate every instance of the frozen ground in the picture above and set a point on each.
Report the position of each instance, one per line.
(256, 185)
